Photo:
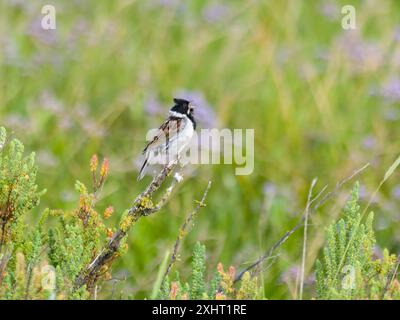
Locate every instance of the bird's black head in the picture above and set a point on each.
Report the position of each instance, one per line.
(184, 107)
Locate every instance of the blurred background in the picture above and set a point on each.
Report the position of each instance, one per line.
(323, 102)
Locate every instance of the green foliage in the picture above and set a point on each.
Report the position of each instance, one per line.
(18, 189)
(348, 269)
(42, 263)
(322, 101)
(198, 271)
(220, 287)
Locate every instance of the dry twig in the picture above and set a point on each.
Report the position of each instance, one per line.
(287, 234)
(183, 230)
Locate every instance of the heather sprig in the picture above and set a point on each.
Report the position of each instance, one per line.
(220, 287)
(18, 189)
(348, 269)
(42, 262)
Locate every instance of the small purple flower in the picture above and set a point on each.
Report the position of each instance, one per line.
(397, 34)
(322, 53)
(377, 252)
(269, 189)
(153, 106)
(180, 6)
(65, 122)
(363, 192)
(215, 12)
(80, 30)
(329, 9)
(166, 3)
(283, 55)
(363, 55)
(293, 274)
(391, 114)
(18, 122)
(369, 142)
(391, 90)
(35, 30)
(92, 128)
(82, 112)
(203, 113)
(396, 192)
(49, 102)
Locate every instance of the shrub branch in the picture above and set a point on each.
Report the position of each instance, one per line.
(91, 273)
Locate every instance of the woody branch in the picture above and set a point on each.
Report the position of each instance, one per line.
(90, 274)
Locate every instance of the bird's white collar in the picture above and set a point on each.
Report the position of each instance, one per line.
(176, 114)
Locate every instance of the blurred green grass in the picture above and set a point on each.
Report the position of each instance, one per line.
(323, 101)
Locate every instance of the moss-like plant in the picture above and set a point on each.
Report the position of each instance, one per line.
(41, 263)
(348, 269)
(220, 287)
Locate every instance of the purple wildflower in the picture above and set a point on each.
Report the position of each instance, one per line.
(283, 55)
(18, 122)
(92, 128)
(82, 112)
(377, 252)
(36, 31)
(215, 12)
(322, 53)
(397, 34)
(369, 142)
(269, 189)
(363, 55)
(293, 273)
(396, 192)
(363, 192)
(166, 3)
(329, 9)
(153, 106)
(78, 32)
(391, 90)
(49, 102)
(391, 114)
(65, 122)
(180, 6)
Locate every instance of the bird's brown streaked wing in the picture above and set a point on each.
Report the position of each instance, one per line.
(165, 132)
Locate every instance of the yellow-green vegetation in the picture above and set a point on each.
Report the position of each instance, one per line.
(38, 261)
(349, 269)
(220, 287)
(323, 101)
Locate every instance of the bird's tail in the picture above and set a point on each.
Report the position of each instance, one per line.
(142, 170)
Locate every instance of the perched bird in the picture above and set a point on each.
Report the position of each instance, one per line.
(172, 137)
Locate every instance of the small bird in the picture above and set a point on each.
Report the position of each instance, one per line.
(172, 137)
